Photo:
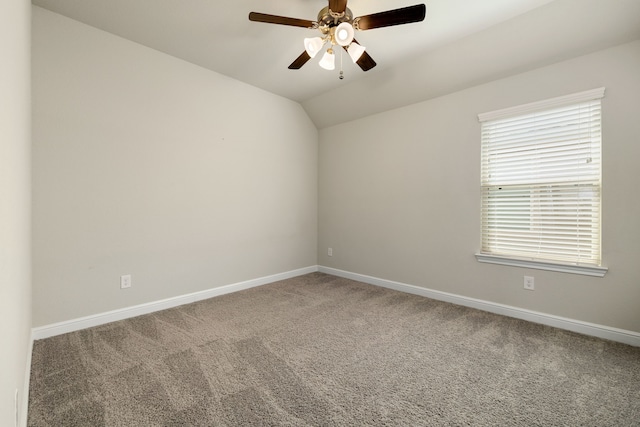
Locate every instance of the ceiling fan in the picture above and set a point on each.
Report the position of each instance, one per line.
(337, 25)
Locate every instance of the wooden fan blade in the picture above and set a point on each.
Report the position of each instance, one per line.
(281, 20)
(300, 61)
(365, 61)
(338, 6)
(405, 15)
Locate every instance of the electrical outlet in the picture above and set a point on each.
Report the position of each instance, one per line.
(125, 281)
(529, 283)
(330, 252)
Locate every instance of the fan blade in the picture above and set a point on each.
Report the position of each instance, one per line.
(338, 6)
(282, 20)
(405, 15)
(365, 61)
(300, 61)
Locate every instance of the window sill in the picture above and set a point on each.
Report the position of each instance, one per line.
(541, 265)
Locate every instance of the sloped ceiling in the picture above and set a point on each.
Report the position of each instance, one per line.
(461, 43)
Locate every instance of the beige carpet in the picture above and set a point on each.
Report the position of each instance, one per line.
(318, 350)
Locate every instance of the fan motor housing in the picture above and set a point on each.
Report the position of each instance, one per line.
(328, 19)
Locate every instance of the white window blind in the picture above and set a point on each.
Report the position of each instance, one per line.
(541, 180)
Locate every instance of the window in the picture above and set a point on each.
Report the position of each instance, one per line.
(541, 184)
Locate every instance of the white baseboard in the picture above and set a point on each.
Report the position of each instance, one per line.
(23, 410)
(138, 310)
(600, 331)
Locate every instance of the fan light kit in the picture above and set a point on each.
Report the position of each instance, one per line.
(338, 26)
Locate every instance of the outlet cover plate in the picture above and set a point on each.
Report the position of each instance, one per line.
(529, 283)
(125, 281)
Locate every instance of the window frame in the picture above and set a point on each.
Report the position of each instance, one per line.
(540, 263)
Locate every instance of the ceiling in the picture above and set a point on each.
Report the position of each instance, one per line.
(460, 43)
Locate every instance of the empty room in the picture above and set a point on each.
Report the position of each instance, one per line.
(319, 213)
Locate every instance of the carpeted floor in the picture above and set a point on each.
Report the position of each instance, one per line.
(318, 350)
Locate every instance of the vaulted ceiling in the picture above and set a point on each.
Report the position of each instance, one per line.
(461, 43)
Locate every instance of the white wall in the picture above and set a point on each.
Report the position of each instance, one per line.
(399, 194)
(15, 203)
(147, 165)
